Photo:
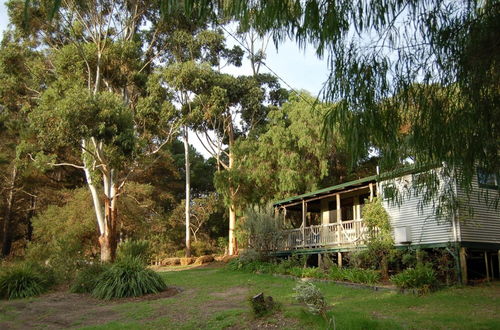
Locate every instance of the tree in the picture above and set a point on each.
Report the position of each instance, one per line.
(194, 52)
(288, 156)
(231, 109)
(103, 98)
(24, 189)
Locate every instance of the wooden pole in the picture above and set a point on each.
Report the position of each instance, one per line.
(339, 218)
(370, 185)
(491, 266)
(463, 265)
(486, 263)
(498, 263)
(304, 210)
(339, 259)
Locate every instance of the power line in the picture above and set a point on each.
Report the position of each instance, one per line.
(264, 63)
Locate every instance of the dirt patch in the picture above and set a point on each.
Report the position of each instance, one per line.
(66, 310)
(275, 321)
(169, 292)
(238, 291)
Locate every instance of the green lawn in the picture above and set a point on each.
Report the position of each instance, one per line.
(215, 298)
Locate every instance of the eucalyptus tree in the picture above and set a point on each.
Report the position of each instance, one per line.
(194, 53)
(232, 109)
(103, 99)
(288, 156)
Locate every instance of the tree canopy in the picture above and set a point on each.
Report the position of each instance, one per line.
(410, 78)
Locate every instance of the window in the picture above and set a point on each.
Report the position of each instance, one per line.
(487, 180)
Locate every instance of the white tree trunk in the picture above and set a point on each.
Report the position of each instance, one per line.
(233, 244)
(188, 192)
(93, 191)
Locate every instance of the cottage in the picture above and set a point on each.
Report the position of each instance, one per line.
(330, 220)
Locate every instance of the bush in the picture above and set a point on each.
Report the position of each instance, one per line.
(127, 278)
(64, 237)
(262, 231)
(134, 249)
(262, 305)
(87, 277)
(311, 296)
(357, 275)
(249, 255)
(336, 273)
(24, 280)
(313, 273)
(422, 278)
(202, 248)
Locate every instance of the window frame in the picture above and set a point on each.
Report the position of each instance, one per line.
(481, 173)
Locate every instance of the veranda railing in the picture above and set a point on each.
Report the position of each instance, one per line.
(346, 233)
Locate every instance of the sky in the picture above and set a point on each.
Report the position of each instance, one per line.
(300, 69)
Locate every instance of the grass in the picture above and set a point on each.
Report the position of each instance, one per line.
(218, 299)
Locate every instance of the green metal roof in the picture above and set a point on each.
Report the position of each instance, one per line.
(410, 169)
(328, 189)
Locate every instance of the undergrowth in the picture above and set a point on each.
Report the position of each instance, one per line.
(293, 268)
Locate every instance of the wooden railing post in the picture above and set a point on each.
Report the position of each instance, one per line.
(304, 212)
(339, 218)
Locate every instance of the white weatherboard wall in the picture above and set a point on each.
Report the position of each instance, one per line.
(421, 223)
(483, 226)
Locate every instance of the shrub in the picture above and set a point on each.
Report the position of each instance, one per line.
(295, 271)
(262, 305)
(313, 273)
(24, 280)
(202, 248)
(293, 265)
(134, 249)
(422, 278)
(249, 255)
(362, 259)
(87, 277)
(262, 231)
(308, 294)
(127, 278)
(357, 275)
(336, 273)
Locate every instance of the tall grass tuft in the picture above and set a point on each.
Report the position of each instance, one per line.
(127, 277)
(23, 280)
